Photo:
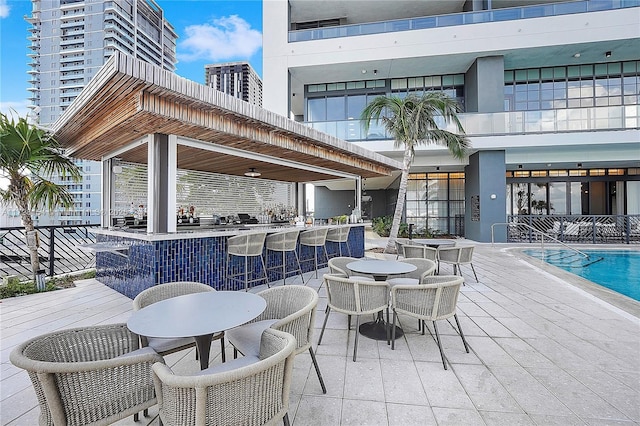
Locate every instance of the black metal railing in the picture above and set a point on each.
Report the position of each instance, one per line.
(585, 229)
(59, 251)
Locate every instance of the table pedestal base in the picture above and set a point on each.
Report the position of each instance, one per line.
(203, 344)
(377, 330)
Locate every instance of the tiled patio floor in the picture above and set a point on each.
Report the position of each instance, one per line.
(542, 352)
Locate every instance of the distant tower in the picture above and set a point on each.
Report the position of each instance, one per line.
(70, 41)
(237, 79)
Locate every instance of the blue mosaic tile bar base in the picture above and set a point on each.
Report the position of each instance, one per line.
(198, 259)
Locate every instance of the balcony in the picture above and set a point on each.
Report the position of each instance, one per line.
(439, 21)
(507, 123)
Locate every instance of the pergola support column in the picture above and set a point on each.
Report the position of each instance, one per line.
(161, 183)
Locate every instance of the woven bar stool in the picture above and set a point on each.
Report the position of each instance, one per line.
(246, 246)
(284, 242)
(338, 235)
(314, 238)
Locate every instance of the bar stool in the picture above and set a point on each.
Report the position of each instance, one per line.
(314, 238)
(246, 246)
(338, 235)
(284, 242)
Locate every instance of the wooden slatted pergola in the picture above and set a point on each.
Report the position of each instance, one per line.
(129, 99)
(138, 112)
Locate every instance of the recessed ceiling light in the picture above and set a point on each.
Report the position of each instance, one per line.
(576, 55)
(364, 71)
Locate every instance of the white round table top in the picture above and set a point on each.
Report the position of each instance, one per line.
(433, 242)
(196, 314)
(381, 267)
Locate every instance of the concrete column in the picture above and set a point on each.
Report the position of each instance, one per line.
(485, 196)
(484, 85)
(161, 183)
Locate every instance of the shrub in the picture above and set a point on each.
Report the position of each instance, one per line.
(14, 287)
(382, 226)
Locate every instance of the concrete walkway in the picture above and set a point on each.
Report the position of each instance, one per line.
(543, 352)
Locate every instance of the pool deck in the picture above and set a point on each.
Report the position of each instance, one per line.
(547, 348)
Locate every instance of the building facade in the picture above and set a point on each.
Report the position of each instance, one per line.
(70, 41)
(237, 79)
(550, 93)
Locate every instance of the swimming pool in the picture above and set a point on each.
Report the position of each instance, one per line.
(618, 270)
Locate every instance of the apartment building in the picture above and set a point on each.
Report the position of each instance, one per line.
(550, 92)
(69, 41)
(237, 79)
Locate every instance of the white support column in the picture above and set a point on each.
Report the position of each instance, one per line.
(161, 183)
(107, 193)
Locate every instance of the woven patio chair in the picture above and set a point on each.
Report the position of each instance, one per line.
(457, 256)
(424, 268)
(419, 251)
(338, 266)
(434, 300)
(88, 375)
(252, 390)
(166, 291)
(291, 309)
(355, 297)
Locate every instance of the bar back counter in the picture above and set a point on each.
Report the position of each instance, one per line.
(130, 261)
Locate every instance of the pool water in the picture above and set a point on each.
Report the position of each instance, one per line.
(618, 270)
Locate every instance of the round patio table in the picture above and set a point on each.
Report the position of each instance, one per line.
(435, 243)
(380, 270)
(198, 315)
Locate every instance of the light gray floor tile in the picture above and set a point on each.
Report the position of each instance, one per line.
(442, 386)
(318, 411)
(493, 418)
(410, 415)
(401, 383)
(486, 392)
(363, 380)
(457, 417)
(577, 397)
(357, 413)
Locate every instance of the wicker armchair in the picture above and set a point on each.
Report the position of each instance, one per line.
(424, 268)
(420, 251)
(166, 291)
(435, 300)
(291, 309)
(457, 256)
(338, 266)
(244, 391)
(89, 375)
(355, 297)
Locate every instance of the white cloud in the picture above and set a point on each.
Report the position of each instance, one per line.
(4, 9)
(15, 108)
(226, 38)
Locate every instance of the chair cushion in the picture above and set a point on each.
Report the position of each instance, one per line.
(360, 278)
(141, 351)
(229, 365)
(246, 338)
(402, 281)
(163, 345)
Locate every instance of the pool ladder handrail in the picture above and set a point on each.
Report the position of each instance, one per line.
(542, 234)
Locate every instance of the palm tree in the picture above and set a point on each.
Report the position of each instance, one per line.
(29, 157)
(412, 121)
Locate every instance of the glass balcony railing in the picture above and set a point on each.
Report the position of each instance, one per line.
(496, 15)
(506, 123)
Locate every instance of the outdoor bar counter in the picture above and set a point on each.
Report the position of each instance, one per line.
(130, 261)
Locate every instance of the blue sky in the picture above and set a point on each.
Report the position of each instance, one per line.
(209, 31)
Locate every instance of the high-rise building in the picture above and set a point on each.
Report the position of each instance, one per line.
(237, 79)
(550, 92)
(70, 41)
